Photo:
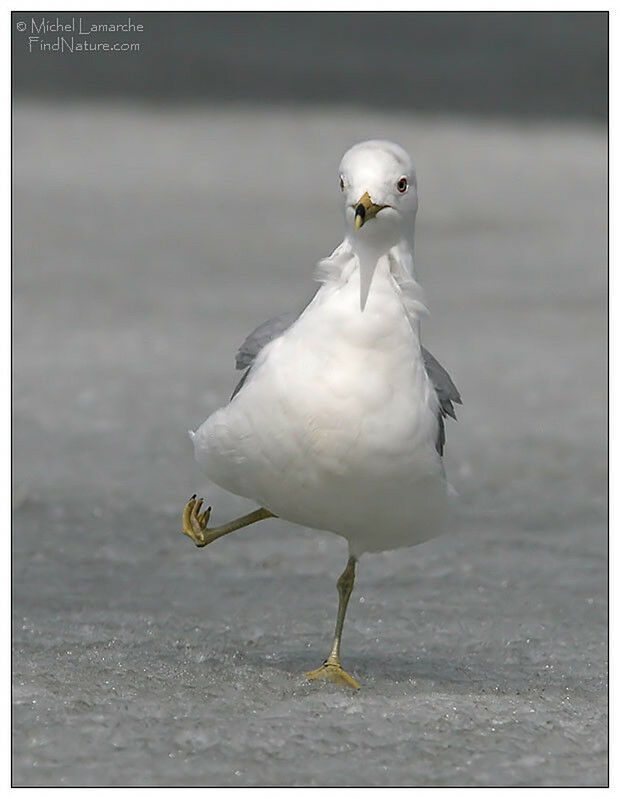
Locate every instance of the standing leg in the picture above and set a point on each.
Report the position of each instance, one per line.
(331, 668)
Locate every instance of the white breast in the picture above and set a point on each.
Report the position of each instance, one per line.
(336, 424)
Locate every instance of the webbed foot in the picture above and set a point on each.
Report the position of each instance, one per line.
(333, 671)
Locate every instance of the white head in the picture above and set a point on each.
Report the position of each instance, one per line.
(379, 187)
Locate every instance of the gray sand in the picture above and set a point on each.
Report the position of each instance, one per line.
(147, 245)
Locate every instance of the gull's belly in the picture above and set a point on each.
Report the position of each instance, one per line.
(334, 433)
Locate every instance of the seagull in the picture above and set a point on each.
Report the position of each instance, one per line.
(338, 421)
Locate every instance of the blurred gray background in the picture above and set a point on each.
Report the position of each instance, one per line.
(142, 259)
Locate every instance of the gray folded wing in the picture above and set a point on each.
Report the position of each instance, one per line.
(447, 392)
(259, 338)
(263, 334)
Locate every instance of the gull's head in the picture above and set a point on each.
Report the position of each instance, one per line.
(379, 187)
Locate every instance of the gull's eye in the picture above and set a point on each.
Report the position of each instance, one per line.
(341, 183)
(402, 185)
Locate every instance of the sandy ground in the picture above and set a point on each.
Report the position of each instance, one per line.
(147, 244)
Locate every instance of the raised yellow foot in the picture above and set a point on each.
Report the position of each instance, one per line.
(334, 673)
(194, 522)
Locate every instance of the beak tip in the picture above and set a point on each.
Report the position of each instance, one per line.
(359, 221)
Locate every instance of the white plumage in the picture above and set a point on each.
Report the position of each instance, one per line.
(336, 425)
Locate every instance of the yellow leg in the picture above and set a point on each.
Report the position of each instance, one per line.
(195, 523)
(331, 668)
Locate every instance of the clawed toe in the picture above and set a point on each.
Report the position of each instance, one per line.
(194, 522)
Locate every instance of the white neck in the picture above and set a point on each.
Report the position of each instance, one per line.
(400, 259)
(368, 248)
(353, 253)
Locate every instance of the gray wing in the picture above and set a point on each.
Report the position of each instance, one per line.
(262, 336)
(447, 392)
(259, 338)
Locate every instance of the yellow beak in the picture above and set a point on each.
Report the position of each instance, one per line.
(365, 210)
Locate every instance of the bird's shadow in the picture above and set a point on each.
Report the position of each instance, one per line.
(423, 675)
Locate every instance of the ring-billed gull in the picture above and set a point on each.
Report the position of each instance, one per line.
(338, 422)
